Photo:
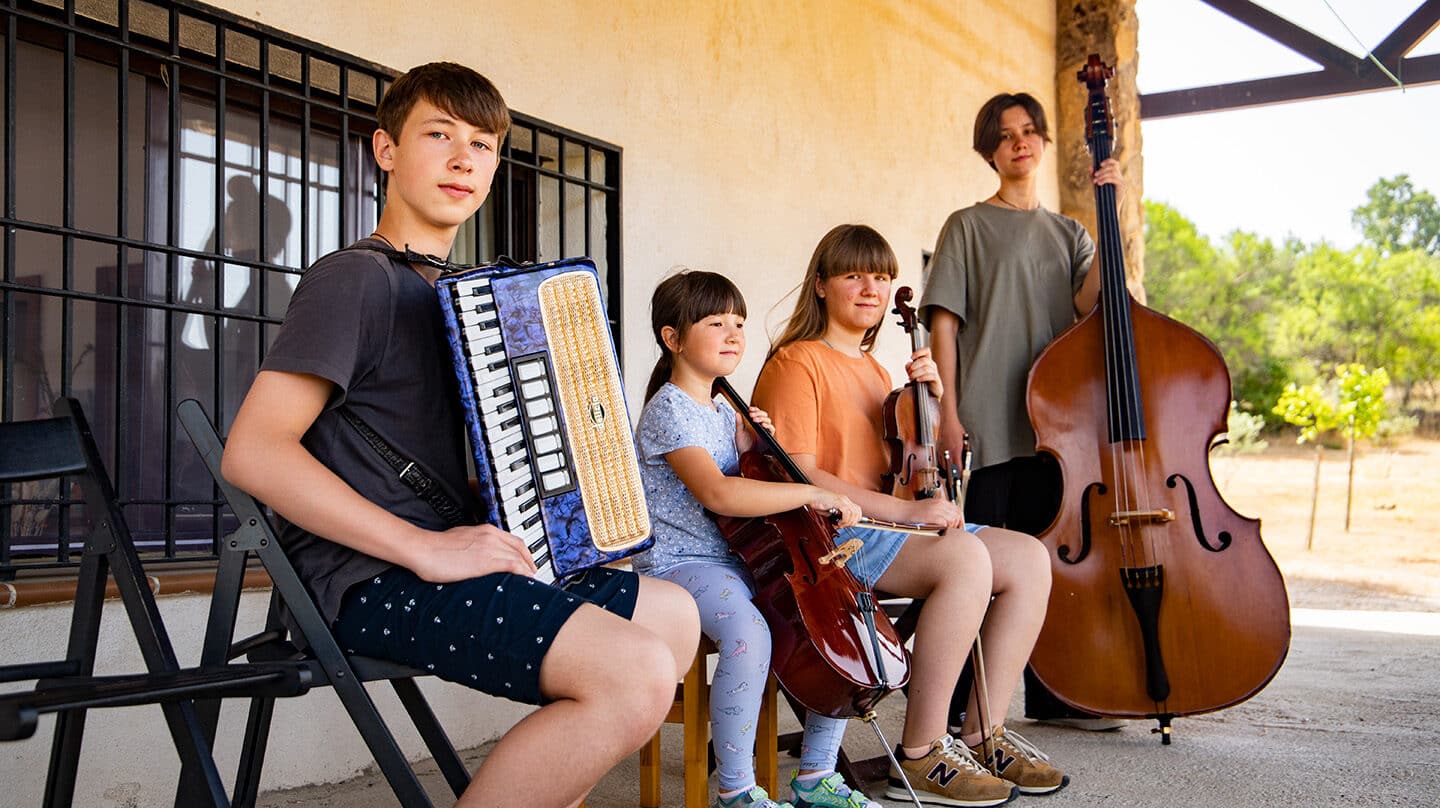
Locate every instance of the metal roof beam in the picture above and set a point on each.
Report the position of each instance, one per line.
(1408, 34)
(1415, 71)
(1312, 47)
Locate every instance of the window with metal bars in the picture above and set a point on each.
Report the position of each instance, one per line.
(168, 170)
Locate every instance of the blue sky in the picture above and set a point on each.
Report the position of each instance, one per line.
(1287, 169)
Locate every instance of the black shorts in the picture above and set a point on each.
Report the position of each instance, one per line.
(488, 633)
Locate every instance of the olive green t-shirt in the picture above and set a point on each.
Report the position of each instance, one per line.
(1011, 277)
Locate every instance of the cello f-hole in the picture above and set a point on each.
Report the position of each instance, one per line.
(1223, 536)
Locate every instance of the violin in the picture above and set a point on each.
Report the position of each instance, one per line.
(1164, 601)
(831, 649)
(911, 413)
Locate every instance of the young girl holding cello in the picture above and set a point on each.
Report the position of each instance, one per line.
(689, 445)
(825, 392)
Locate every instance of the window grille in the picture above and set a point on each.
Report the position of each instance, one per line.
(168, 170)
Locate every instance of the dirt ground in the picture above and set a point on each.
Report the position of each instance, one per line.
(1390, 557)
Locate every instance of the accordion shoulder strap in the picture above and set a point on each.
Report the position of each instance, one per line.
(410, 473)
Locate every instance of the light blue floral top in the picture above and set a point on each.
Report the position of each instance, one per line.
(673, 420)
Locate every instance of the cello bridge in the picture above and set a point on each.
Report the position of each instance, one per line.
(841, 555)
(1121, 518)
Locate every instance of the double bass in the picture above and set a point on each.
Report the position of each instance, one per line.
(1164, 600)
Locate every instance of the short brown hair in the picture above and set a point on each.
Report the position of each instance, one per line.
(987, 122)
(455, 88)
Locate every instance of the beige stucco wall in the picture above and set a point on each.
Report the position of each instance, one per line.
(748, 129)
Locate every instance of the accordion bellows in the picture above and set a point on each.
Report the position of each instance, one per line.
(545, 408)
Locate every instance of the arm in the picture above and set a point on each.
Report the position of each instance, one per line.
(739, 496)
(1089, 289)
(265, 458)
(876, 505)
(944, 330)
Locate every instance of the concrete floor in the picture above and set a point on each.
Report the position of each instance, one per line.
(1351, 719)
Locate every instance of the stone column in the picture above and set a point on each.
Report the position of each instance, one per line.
(1109, 28)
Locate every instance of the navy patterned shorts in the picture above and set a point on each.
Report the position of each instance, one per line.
(488, 633)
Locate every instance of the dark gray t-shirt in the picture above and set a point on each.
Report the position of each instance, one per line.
(1011, 277)
(373, 328)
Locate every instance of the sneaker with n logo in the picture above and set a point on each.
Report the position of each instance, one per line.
(949, 775)
(1018, 761)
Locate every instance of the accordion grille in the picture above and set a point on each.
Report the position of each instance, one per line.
(597, 425)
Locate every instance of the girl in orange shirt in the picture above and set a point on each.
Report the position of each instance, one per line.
(824, 390)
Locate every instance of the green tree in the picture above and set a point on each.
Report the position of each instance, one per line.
(1397, 216)
(1353, 402)
(1225, 294)
(1308, 408)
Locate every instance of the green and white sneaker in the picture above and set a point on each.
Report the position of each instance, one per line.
(755, 797)
(829, 791)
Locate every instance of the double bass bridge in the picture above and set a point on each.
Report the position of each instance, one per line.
(1123, 518)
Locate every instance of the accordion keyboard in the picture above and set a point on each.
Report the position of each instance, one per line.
(505, 411)
(545, 411)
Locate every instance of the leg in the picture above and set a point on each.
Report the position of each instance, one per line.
(668, 612)
(615, 701)
(740, 633)
(952, 573)
(1021, 585)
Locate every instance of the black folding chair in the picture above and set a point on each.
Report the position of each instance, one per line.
(62, 447)
(317, 649)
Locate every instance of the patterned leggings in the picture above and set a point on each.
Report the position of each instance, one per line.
(723, 593)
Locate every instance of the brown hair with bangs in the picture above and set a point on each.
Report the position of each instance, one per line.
(845, 249)
(987, 122)
(454, 88)
(682, 300)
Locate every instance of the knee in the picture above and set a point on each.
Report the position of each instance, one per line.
(970, 558)
(651, 681)
(1032, 563)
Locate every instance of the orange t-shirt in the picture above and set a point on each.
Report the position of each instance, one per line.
(828, 404)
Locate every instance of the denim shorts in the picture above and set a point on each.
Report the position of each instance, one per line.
(489, 633)
(880, 547)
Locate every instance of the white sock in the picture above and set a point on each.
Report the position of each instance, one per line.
(811, 779)
(730, 795)
(915, 752)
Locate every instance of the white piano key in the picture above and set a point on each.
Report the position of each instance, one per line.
(543, 426)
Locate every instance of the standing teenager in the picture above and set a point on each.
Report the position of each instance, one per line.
(1006, 278)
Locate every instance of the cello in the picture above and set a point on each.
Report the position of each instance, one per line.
(1164, 600)
(831, 649)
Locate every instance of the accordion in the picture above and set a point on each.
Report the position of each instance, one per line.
(545, 410)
